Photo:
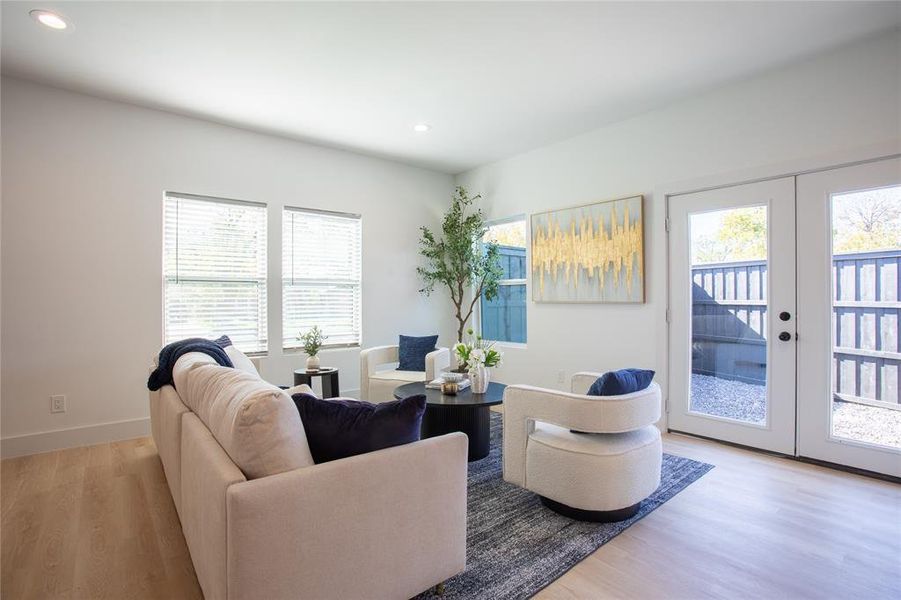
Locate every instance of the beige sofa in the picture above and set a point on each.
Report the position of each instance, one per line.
(262, 521)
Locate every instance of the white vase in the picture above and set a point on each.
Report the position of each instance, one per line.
(313, 363)
(479, 378)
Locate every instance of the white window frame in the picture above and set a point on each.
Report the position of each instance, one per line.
(263, 281)
(297, 347)
(477, 314)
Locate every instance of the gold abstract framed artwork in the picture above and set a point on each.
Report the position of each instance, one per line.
(591, 253)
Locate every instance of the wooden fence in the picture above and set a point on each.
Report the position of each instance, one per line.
(504, 318)
(729, 321)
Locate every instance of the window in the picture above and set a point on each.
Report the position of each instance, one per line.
(503, 319)
(321, 266)
(214, 265)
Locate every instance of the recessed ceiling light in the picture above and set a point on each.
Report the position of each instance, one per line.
(421, 127)
(50, 19)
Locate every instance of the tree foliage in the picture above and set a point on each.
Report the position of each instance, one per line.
(867, 221)
(861, 222)
(741, 236)
(457, 259)
(511, 234)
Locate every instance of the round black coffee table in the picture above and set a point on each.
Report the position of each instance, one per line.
(466, 412)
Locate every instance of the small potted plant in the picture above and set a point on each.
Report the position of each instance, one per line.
(312, 342)
(477, 357)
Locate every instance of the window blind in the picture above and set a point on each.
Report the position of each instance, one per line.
(214, 263)
(321, 266)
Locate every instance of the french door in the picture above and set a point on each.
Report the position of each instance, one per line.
(849, 352)
(785, 306)
(732, 263)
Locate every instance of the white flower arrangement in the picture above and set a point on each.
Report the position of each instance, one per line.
(477, 353)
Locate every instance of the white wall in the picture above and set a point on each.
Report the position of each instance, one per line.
(83, 183)
(845, 100)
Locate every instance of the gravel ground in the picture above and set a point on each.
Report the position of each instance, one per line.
(747, 402)
(867, 423)
(728, 398)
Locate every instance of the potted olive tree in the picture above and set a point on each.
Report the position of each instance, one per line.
(457, 258)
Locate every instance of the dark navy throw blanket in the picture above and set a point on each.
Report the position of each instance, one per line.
(162, 375)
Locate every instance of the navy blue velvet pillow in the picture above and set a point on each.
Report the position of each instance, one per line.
(412, 350)
(625, 381)
(341, 428)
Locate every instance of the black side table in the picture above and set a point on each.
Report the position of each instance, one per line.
(329, 380)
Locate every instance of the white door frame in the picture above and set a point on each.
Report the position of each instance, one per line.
(661, 255)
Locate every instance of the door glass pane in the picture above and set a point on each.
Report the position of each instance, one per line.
(866, 256)
(729, 312)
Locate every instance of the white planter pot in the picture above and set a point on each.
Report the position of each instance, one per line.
(313, 363)
(479, 377)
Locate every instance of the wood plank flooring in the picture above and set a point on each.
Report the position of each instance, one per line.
(98, 522)
(89, 523)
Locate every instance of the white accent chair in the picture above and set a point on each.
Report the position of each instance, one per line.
(592, 458)
(377, 383)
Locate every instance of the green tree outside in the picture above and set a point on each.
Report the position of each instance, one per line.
(741, 235)
(862, 222)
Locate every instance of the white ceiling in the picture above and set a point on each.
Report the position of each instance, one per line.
(493, 79)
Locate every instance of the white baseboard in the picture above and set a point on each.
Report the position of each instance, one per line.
(88, 435)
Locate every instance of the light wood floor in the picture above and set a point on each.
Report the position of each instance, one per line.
(99, 523)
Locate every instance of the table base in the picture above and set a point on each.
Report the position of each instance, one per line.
(474, 421)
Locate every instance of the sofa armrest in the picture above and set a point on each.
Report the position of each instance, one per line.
(387, 524)
(525, 404)
(435, 362)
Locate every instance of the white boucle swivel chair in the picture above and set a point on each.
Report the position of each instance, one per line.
(377, 383)
(601, 473)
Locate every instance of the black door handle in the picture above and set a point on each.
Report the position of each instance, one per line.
(784, 316)
(785, 336)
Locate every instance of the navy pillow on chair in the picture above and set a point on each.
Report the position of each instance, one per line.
(624, 381)
(341, 428)
(412, 350)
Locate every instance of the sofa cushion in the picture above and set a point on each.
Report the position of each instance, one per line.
(238, 358)
(241, 361)
(392, 375)
(411, 351)
(184, 364)
(171, 353)
(300, 389)
(254, 422)
(624, 381)
(341, 428)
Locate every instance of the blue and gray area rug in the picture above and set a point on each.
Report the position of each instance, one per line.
(515, 546)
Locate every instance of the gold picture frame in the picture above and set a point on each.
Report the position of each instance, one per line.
(589, 254)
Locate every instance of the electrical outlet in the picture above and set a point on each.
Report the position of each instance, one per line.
(561, 376)
(57, 404)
